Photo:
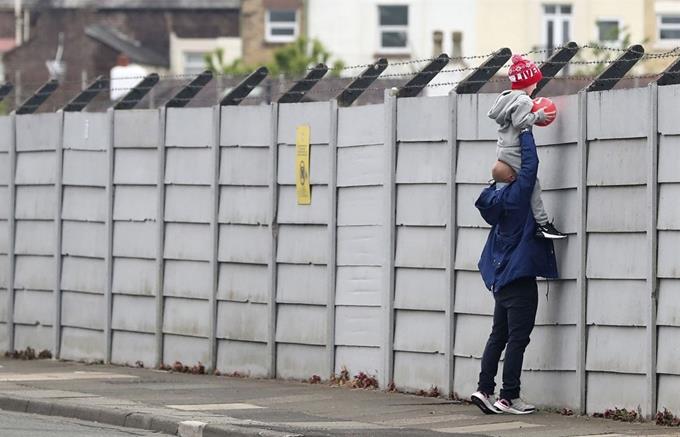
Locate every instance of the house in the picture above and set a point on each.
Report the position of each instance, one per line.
(165, 36)
(362, 31)
(543, 25)
(267, 25)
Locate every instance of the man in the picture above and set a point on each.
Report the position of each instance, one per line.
(511, 260)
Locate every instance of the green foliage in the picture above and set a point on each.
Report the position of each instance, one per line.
(291, 60)
(215, 62)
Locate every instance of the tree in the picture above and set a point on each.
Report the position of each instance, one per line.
(603, 55)
(214, 62)
(291, 60)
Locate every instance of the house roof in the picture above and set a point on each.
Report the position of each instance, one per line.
(125, 4)
(127, 45)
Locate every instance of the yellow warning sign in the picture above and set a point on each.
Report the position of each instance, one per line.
(304, 191)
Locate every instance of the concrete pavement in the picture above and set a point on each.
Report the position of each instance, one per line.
(201, 406)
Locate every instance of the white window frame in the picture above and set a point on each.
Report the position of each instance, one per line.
(557, 19)
(268, 26)
(185, 64)
(667, 41)
(597, 30)
(394, 28)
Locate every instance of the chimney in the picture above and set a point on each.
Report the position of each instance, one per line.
(437, 42)
(457, 39)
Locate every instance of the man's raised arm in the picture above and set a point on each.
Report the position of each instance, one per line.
(526, 179)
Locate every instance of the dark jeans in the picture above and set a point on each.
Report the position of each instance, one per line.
(513, 320)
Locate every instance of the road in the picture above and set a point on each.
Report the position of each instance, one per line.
(31, 425)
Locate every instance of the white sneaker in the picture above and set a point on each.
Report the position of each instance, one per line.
(484, 403)
(515, 406)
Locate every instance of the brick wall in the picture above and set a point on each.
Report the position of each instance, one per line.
(82, 53)
(256, 51)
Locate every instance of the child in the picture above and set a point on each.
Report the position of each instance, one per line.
(512, 111)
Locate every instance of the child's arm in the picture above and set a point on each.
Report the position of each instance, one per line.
(522, 117)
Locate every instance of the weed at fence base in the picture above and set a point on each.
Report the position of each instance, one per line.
(315, 379)
(29, 354)
(432, 392)
(620, 414)
(178, 367)
(666, 418)
(360, 380)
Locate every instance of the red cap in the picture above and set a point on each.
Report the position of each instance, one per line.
(523, 72)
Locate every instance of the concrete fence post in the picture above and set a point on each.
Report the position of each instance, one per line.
(108, 256)
(652, 241)
(160, 235)
(389, 223)
(274, 232)
(451, 243)
(11, 225)
(331, 267)
(59, 194)
(214, 234)
(581, 235)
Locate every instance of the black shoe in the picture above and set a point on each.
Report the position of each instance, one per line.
(549, 232)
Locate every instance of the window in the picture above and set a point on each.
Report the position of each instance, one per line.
(608, 30)
(556, 25)
(194, 62)
(393, 28)
(669, 27)
(281, 26)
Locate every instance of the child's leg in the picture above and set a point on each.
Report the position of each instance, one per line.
(537, 207)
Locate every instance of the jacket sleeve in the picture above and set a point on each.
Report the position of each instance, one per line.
(520, 192)
(522, 117)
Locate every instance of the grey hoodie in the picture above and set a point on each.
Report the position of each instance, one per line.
(512, 112)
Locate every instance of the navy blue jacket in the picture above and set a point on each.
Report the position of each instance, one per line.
(512, 251)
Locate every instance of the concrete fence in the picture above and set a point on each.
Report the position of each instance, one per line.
(164, 235)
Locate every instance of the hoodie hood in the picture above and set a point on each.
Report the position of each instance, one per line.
(490, 203)
(500, 111)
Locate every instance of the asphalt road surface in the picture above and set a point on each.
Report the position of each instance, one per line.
(32, 425)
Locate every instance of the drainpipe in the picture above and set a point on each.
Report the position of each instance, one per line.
(305, 18)
(27, 25)
(18, 23)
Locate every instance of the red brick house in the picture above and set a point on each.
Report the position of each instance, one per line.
(163, 35)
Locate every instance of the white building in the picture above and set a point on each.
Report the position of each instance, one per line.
(362, 31)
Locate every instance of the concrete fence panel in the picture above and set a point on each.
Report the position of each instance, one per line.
(154, 236)
(668, 270)
(137, 149)
(190, 145)
(245, 241)
(617, 227)
(357, 290)
(85, 251)
(302, 315)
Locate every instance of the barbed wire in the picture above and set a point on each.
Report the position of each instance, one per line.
(488, 55)
(184, 76)
(670, 54)
(437, 84)
(494, 80)
(215, 91)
